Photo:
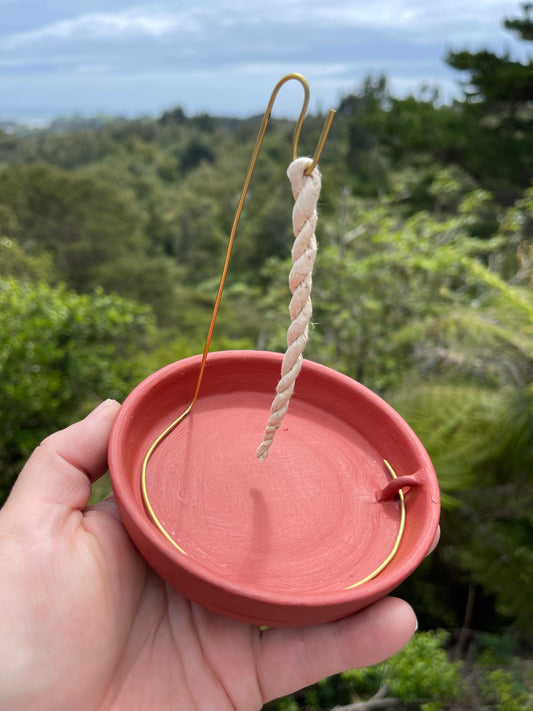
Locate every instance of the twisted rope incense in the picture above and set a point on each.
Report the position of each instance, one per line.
(306, 191)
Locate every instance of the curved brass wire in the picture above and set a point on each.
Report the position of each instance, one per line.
(397, 542)
(253, 161)
(246, 185)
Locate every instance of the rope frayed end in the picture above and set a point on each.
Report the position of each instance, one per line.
(262, 451)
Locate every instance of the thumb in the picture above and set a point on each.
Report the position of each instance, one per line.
(57, 478)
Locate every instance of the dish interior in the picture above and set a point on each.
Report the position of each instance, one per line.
(307, 519)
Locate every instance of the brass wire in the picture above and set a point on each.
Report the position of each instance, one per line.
(253, 161)
(397, 542)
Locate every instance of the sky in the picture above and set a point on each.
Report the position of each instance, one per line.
(224, 57)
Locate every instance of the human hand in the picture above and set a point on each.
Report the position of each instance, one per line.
(86, 624)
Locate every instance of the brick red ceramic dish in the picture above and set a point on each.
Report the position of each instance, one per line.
(285, 541)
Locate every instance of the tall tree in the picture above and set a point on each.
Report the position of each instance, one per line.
(498, 80)
(523, 26)
(499, 92)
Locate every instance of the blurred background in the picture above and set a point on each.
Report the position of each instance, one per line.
(125, 135)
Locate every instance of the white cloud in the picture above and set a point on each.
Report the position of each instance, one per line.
(379, 14)
(100, 25)
(416, 16)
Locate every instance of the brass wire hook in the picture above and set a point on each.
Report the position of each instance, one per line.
(299, 124)
(253, 161)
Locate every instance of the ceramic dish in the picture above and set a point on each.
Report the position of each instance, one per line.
(289, 540)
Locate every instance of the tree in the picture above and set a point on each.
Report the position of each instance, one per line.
(60, 354)
(499, 92)
(15, 262)
(81, 220)
(385, 273)
(470, 400)
(489, 135)
(497, 80)
(522, 26)
(366, 114)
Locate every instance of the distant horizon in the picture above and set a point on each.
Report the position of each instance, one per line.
(447, 91)
(42, 119)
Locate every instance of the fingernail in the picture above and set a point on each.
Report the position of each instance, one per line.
(101, 406)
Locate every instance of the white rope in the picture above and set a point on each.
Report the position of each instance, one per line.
(306, 191)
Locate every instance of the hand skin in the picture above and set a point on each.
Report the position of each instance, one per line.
(85, 624)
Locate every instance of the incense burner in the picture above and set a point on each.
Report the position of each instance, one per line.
(345, 507)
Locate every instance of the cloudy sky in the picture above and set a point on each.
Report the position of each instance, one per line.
(225, 56)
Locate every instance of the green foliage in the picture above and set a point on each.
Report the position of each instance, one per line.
(522, 26)
(501, 693)
(420, 675)
(423, 670)
(503, 679)
(14, 261)
(498, 79)
(60, 354)
(424, 677)
(422, 290)
(499, 90)
(392, 292)
(287, 703)
(83, 222)
(494, 78)
(499, 554)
